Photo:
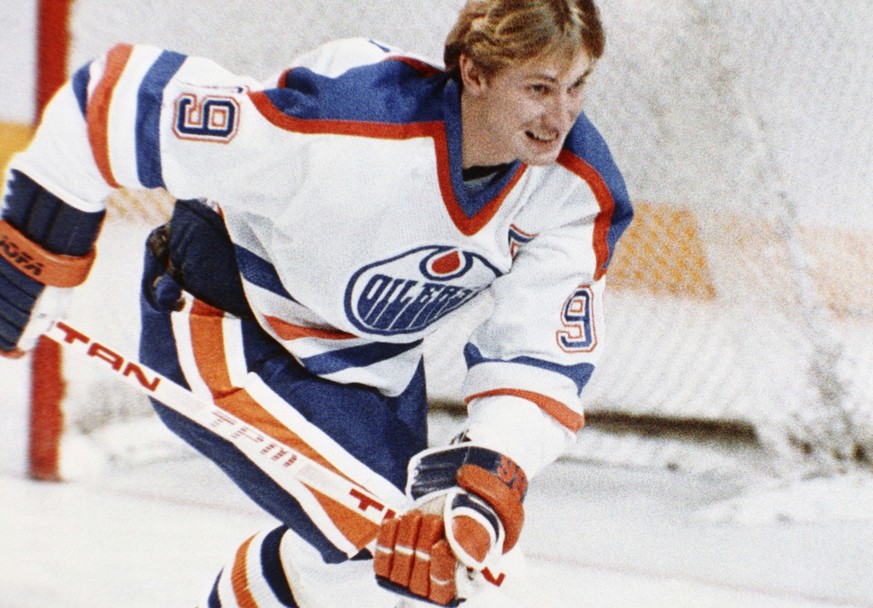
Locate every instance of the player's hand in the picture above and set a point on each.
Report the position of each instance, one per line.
(18, 295)
(413, 557)
(27, 310)
(468, 512)
(46, 248)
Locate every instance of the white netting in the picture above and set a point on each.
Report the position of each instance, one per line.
(741, 294)
(750, 118)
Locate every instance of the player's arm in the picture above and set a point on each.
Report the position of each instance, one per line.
(527, 365)
(52, 210)
(100, 132)
(468, 508)
(525, 377)
(529, 362)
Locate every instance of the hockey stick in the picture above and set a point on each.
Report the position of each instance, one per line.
(285, 464)
(363, 511)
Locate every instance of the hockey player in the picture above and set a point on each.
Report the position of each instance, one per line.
(326, 222)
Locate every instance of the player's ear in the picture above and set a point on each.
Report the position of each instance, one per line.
(472, 75)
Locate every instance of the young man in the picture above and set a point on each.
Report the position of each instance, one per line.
(325, 223)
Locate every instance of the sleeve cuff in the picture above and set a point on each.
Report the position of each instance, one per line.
(518, 428)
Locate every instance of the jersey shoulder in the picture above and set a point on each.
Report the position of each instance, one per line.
(587, 156)
(360, 80)
(585, 143)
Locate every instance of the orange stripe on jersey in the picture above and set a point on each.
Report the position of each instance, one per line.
(433, 129)
(562, 413)
(239, 578)
(358, 128)
(97, 112)
(604, 199)
(290, 331)
(207, 338)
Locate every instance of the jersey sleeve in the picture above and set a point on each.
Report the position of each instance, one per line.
(529, 362)
(108, 127)
(144, 117)
(59, 156)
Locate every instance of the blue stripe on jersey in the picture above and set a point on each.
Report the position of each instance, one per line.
(356, 356)
(148, 117)
(586, 142)
(271, 568)
(580, 373)
(260, 272)
(80, 86)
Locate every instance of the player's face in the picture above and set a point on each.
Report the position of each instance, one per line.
(525, 111)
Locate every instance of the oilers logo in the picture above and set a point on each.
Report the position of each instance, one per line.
(407, 293)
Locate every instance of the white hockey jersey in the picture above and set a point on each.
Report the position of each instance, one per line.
(340, 183)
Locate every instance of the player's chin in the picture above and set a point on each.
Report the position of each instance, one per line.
(541, 158)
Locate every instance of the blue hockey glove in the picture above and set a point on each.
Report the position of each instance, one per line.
(46, 247)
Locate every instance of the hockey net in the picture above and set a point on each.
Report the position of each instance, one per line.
(739, 305)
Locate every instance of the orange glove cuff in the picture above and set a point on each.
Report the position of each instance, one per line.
(503, 495)
(41, 265)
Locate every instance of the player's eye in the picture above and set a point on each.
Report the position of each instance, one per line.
(577, 86)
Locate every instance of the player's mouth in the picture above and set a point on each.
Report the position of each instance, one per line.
(544, 138)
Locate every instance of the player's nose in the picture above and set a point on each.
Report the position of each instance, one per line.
(562, 112)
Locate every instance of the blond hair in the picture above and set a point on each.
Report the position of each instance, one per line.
(497, 33)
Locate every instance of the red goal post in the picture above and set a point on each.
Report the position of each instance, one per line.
(47, 381)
